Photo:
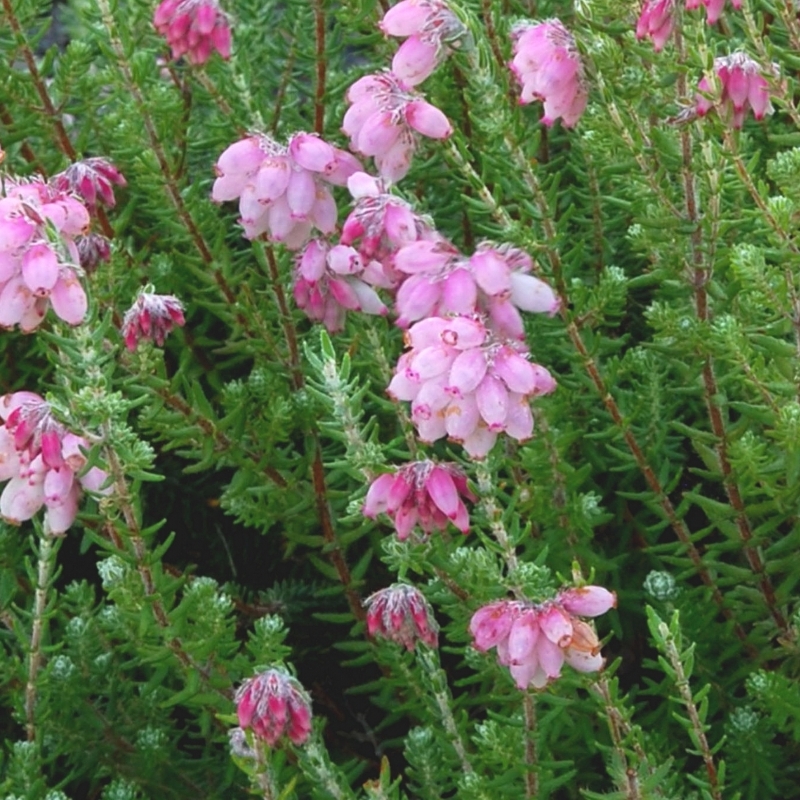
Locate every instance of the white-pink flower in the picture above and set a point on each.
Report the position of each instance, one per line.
(494, 280)
(194, 28)
(548, 67)
(423, 493)
(39, 260)
(741, 85)
(330, 281)
(283, 191)
(535, 640)
(384, 120)
(466, 382)
(41, 460)
(430, 27)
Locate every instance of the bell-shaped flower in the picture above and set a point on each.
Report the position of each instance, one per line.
(657, 21)
(92, 179)
(151, 318)
(194, 28)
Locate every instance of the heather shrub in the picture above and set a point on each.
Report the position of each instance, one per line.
(399, 400)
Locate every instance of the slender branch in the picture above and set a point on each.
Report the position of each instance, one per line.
(48, 548)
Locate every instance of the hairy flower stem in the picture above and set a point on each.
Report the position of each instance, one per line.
(428, 659)
(682, 685)
(531, 754)
(333, 548)
(655, 485)
(701, 272)
(48, 549)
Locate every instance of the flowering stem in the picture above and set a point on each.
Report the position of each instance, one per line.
(48, 549)
(531, 755)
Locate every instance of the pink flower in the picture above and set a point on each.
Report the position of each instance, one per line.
(383, 121)
(535, 640)
(466, 382)
(430, 26)
(657, 21)
(713, 8)
(194, 28)
(91, 179)
(41, 460)
(39, 260)
(493, 281)
(93, 248)
(274, 704)
(151, 318)
(422, 493)
(281, 190)
(742, 86)
(400, 613)
(330, 281)
(548, 67)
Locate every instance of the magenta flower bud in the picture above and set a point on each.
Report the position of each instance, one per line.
(194, 28)
(274, 705)
(400, 613)
(548, 67)
(92, 250)
(151, 318)
(92, 179)
(422, 493)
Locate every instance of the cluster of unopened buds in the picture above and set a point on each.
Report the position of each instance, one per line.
(39, 259)
(658, 18)
(424, 493)
(194, 28)
(151, 318)
(43, 463)
(92, 180)
(400, 613)
(274, 705)
(535, 640)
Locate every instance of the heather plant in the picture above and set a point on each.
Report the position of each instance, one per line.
(399, 400)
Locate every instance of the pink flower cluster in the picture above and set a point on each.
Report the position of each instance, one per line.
(534, 641)
(401, 614)
(151, 318)
(330, 281)
(92, 179)
(281, 190)
(493, 281)
(430, 26)
(548, 67)
(194, 28)
(39, 260)
(713, 8)
(383, 121)
(466, 382)
(422, 493)
(41, 460)
(273, 705)
(742, 86)
(657, 20)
